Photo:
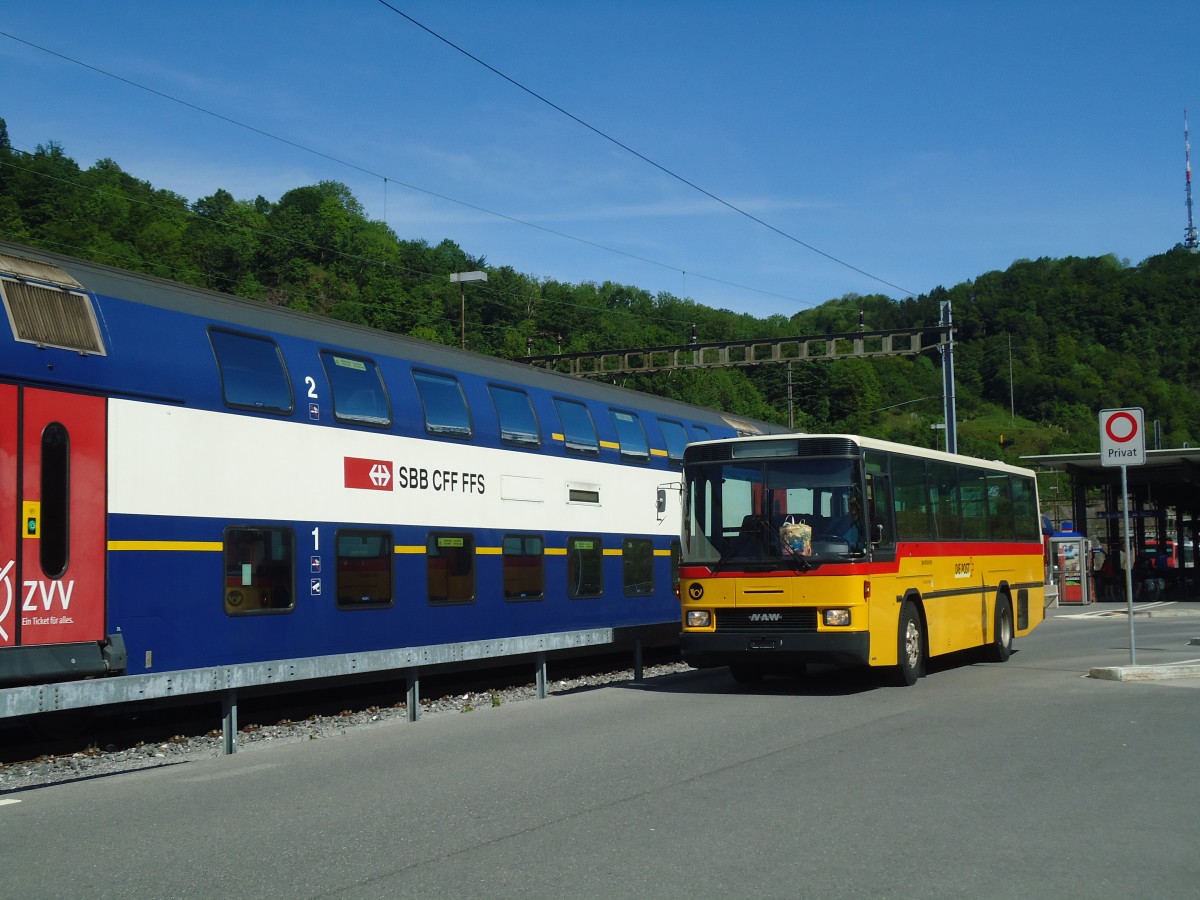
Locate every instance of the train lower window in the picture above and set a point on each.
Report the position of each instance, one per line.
(56, 492)
(524, 564)
(585, 567)
(358, 391)
(253, 375)
(518, 422)
(260, 570)
(450, 568)
(631, 436)
(637, 566)
(446, 411)
(364, 569)
(579, 431)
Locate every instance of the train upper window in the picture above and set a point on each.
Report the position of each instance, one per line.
(358, 391)
(259, 570)
(579, 431)
(450, 568)
(364, 569)
(524, 561)
(637, 563)
(702, 432)
(253, 375)
(585, 567)
(445, 406)
(630, 435)
(676, 437)
(518, 422)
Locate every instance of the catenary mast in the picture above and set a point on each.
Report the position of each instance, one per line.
(1189, 236)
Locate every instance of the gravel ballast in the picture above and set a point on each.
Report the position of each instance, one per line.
(96, 761)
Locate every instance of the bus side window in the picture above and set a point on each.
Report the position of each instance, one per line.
(879, 504)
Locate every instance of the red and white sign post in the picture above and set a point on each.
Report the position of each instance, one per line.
(1123, 443)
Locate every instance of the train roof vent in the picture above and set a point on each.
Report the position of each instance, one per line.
(744, 427)
(48, 307)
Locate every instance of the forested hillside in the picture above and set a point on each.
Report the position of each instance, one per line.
(1041, 346)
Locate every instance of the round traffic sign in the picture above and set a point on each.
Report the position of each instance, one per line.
(1121, 426)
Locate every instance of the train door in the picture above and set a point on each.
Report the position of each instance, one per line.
(52, 522)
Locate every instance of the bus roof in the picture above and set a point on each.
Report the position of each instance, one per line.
(869, 443)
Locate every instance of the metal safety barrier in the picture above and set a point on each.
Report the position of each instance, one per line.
(226, 681)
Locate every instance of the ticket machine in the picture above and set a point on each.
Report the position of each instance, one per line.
(1071, 566)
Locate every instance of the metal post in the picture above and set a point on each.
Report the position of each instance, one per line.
(460, 277)
(1128, 563)
(949, 411)
(637, 660)
(229, 722)
(540, 661)
(791, 404)
(414, 693)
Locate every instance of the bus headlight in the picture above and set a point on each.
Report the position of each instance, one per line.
(699, 618)
(836, 617)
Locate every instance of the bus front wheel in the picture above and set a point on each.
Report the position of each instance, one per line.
(910, 658)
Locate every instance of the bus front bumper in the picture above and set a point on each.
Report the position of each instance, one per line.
(708, 649)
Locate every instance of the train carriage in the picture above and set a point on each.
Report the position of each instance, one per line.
(188, 479)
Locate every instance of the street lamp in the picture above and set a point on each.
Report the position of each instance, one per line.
(460, 277)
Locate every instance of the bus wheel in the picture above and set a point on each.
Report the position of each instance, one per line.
(1000, 649)
(911, 651)
(746, 674)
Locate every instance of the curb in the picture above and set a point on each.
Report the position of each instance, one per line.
(1144, 673)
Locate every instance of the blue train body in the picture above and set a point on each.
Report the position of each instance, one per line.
(192, 480)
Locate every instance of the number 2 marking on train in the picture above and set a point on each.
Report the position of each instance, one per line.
(312, 387)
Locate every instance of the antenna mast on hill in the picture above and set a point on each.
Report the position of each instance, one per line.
(1189, 236)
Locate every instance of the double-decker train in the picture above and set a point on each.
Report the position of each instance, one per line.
(189, 480)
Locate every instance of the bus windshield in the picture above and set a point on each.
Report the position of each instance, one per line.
(763, 512)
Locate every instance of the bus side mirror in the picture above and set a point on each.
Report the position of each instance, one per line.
(660, 503)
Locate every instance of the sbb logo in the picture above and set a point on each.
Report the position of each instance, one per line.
(368, 474)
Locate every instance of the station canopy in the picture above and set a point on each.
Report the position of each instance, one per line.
(1167, 478)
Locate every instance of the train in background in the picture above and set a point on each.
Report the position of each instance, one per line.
(190, 480)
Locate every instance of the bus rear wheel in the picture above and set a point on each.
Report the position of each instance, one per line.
(1000, 649)
(910, 659)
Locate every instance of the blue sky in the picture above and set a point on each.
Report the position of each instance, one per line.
(917, 143)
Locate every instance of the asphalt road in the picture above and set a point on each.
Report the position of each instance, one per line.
(1023, 779)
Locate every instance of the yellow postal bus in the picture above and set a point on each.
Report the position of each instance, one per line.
(841, 549)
